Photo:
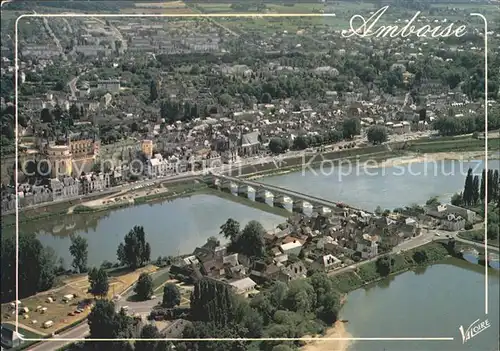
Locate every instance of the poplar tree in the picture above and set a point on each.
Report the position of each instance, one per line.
(482, 190)
(495, 186)
(475, 190)
(489, 187)
(468, 191)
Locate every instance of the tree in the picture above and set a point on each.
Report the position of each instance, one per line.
(495, 186)
(251, 240)
(475, 190)
(153, 91)
(384, 266)
(468, 189)
(433, 201)
(377, 134)
(266, 98)
(212, 301)
(420, 256)
(99, 284)
(74, 112)
(105, 323)
(144, 287)
(301, 142)
(225, 100)
(46, 116)
(230, 229)
(171, 296)
(47, 261)
(79, 251)
(135, 252)
(329, 307)
(351, 127)
(278, 145)
(457, 199)
(150, 331)
(37, 266)
(482, 190)
(492, 230)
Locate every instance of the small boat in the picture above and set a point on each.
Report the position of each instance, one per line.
(344, 320)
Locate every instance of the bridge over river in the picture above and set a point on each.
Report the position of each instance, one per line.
(280, 196)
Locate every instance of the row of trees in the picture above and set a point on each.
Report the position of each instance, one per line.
(477, 190)
(349, 128)
(451, 125)
(304, 306)
(37, 267)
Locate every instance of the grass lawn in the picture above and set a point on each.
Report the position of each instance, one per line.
(478, 236)
(160, 280)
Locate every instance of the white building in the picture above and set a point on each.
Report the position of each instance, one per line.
(243, 286)
(368, 246)
(159, 167)
(291, 248)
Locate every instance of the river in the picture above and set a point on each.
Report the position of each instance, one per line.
(432, 302)
(387, 187)
(178, 226)
(171, 227)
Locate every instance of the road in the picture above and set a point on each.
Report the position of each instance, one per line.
(81, 331)
(115, 30)
(56, 41)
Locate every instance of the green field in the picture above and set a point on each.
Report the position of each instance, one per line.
(477, 235)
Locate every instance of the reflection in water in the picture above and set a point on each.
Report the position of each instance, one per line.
(172, 227)
(384, 283)
(420, 270)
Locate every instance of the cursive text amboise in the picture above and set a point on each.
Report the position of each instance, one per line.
(366, 29)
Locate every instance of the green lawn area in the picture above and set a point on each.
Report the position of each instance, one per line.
(478, 236)
(458, 144)
(160, 279)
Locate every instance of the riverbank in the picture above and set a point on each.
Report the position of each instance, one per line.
(398, 152)
(434, 157)
(139, 197)
(370, 272)
(453, 148)
(367, 274)
(338, 331)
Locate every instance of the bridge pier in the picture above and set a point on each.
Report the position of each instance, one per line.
(262, 195)
(215, 182)
(227, 185)
(298, 206)
(322, 210)
(281, 201)
(244, 190)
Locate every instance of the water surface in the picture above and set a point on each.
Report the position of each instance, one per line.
(430, 302)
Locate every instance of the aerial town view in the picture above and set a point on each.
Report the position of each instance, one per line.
(275, 175)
